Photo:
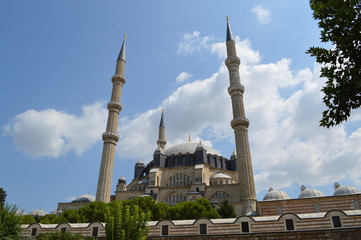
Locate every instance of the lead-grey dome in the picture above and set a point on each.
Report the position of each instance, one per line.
(345, 190)
(275, 195)
(84, 198)
(37, 212)
(310, 192)
(189, 147)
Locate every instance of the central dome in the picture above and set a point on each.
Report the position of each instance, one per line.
(189, 147)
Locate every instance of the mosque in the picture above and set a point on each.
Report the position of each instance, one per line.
(193, 170)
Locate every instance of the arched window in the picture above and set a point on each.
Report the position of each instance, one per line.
(219, 196)
(178, 179)
(174, 198)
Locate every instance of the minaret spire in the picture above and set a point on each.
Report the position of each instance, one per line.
(240, 125)
(110, 136)
(161, 139)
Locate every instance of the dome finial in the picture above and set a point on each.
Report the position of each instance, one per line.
(189, 137)
(303, 188)
(270, 189)
(336, 185)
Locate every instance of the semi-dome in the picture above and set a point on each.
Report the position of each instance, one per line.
(37, 212)
(84, 198)
(275, 195)
(345, 190)
(309, 192)
(189, 147)
(220, 175)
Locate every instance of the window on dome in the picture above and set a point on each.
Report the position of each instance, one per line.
(95, 231)
(245, 226)
(63, 230)
(34, 231)
(203, 228)
(336, 220)
(290, 225)
(165, 230)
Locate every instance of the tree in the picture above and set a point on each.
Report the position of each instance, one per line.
(226, 210)
(340, 23)
(2, 197)
(9, 222)
(126, 222)
(193, 210)
(94, 211)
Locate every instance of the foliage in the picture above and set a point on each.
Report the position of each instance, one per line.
(61, 236)
(50, 218)
(126, 222)
(9, 222)
(340, 23)
(226, 210)
(193, 210)
(95, 211)
(2, 197)
(27, 219)
(158, 211)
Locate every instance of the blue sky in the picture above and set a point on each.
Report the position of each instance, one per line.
(57, 59)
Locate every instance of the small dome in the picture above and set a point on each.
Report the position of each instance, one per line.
(220, 175)
(345, 190)
(275, 195)
(189, 147)
(84, 198)
(309, 192)
(37, 212)
(122, 180)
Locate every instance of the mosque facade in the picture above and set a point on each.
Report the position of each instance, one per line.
(193, 170)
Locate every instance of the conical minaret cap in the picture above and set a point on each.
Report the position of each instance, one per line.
(229, 32)
(161, 124)
(122, 50)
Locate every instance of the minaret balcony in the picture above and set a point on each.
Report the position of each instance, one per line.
(236, 89)
(240, 121)
(118, 79)
(232, 60)
(110, 137)
(114, 106)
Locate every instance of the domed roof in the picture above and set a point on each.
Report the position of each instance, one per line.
(309, 192)
(345, 190)
(189, 147)
(84, 198)
(275, 195)
(39, 212)
(220, 175)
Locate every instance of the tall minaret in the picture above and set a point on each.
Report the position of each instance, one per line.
(240, 126)
(161, 139)
(110, 136)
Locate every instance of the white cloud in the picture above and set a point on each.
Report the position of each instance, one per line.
(262, 14)
(193, 42)
(182, 77)
(50, 133)
(287, 144)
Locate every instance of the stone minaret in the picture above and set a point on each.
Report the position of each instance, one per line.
(240, 126)
(161, 139)
(110, 136)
